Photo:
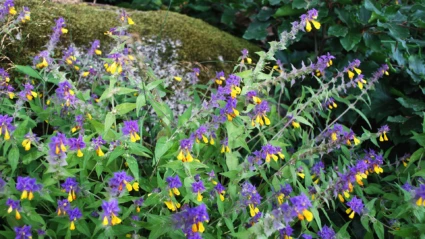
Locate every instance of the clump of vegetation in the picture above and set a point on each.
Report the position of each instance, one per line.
(93, 150)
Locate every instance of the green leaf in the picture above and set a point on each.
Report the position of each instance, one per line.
(299, 4)
(232, 161)
(396, 31)
(416, 105)
(140, 102)
(14, 158)
(364, 15)
(337, 30)
(124, 90)
(134, 167)
(286, 11)
(124, 108)
(379, 229)
(256, 30)
(162, 146)
(153, 84)
(371, 5)
(350, 40)
(27, 70)
(109, 121)
(363, 116)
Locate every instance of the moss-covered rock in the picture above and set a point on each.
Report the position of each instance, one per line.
(200, 42)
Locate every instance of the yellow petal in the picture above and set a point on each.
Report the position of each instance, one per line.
(308, 26)
(105, 221)
(201, 227)
(130, 21)
(350, 75)
(17, 215)
(177, 78)
(98, 52)
(129, 187)
(316, 24)
(308, 215)
(419, 201)
(64, 30)
(79, 153)
(351, 215)
(24, 194)
(199, 197)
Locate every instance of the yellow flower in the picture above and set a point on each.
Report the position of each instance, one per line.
(12, 11)
(26, 143)
(130, 21)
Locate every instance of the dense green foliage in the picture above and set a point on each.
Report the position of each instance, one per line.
(286, 145)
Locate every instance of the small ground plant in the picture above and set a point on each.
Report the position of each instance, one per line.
(88, 147)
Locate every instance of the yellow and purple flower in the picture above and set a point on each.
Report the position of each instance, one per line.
(65, 93)
(383, 133)
(322, 63)
(301, 204)
(24, 15)
(355, 206)
(8, 8)
(70, 186)
(269, 151)
(97, 144)
(353, 66)
(28, 140)
(131, 127)
(220, 190)
(110, 213)
(251, 198)
(6, 127)
(191, 220)
(185, 148)
(63, 207)
(58, 144)
(420, 195)
(198, 188)
(245, 57)
(330, 103)
(283, 193)
(219, 77)
(252, 95)
(310, 19)
(326, 233)
(94, 49)
(23, 232)
(260, 113)
(27, 186)
(77, 144)
(28, 93)
(139, 202)
(121, 179)
(74, 214)
(14, 205)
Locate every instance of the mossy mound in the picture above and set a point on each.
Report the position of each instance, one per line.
(200, 41)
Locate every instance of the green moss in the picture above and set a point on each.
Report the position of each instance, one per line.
(200, 41)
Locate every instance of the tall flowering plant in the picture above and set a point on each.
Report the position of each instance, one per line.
(91, 149)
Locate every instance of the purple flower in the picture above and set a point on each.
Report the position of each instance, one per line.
(306, 236)
(198, 188)
(6, 126)
(308, 19)
(269, 151)
(139, 202)
(283, 192)
(27, 186)
(356, 206)
(74, 214)
(58, 30)
(260, 113)
(173, 184)
(94, 49)
(65, 93)
(301, 204)
(286, 232)
(220, 190)
(219, 77)
(57, 145)
(97, 144)
(28, 92)
(353, 66)
(2, 184)
(110, 212)
(23, 232)
(229, 109)
(71, 187)
(327, 233)
(7, 8)
(41, 232)
(42, 60)
(121, 179)
(251, 198)
(420, 195)
(63, 206)
(77, 144)
(407, 186)
(317, 169)
(383, 133)
(14, 205)
(185, 148)
(131, 127)
(322, 63)
(190, 220)
(24, 15)
(200, 134)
